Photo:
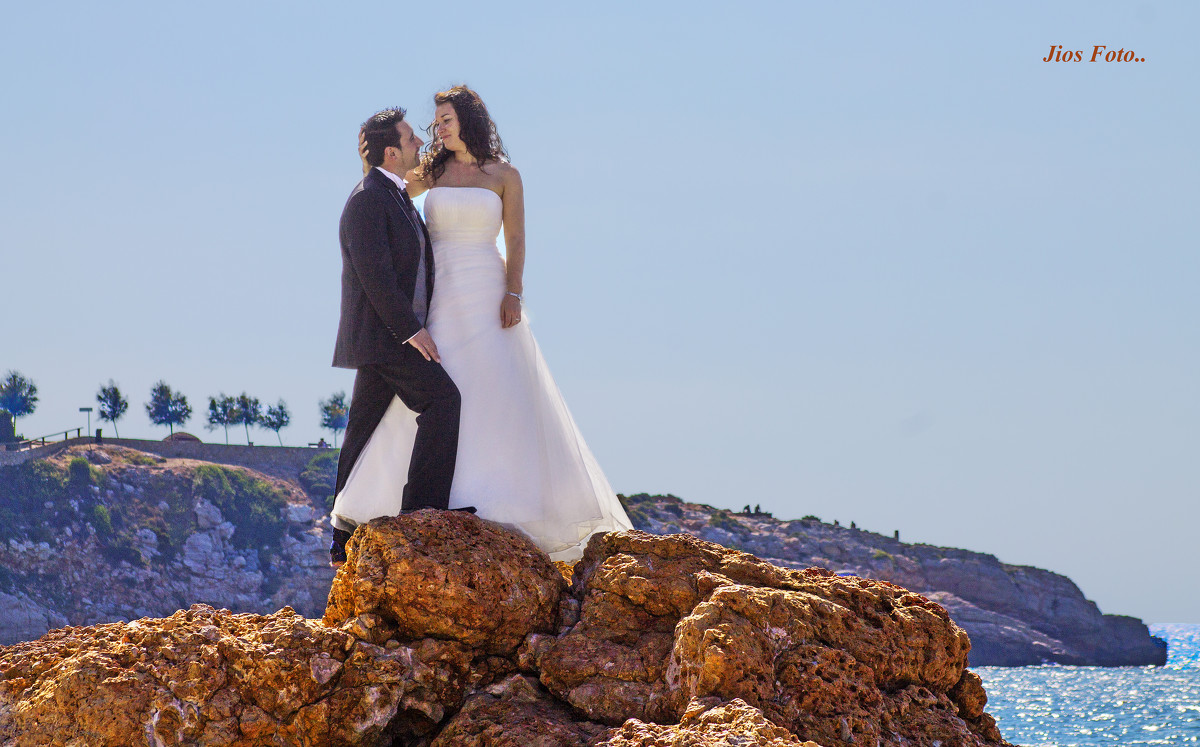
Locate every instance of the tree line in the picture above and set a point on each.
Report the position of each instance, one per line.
(170, 408)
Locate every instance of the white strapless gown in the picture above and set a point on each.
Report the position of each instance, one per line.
(522, 461)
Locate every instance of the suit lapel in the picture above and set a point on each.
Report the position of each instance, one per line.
(376, 179)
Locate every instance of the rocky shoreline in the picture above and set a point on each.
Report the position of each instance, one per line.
(1016, 615)
(443, 629)
(164, 534)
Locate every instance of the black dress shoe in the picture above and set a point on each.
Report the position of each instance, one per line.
(337, 550)
(466, 509)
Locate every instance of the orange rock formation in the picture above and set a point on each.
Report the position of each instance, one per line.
(443, 629)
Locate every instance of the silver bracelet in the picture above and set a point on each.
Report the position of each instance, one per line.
(515, 295)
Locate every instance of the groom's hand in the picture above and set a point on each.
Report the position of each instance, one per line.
(424, 345)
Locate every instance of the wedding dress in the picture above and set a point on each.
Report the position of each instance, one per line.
(522, 461)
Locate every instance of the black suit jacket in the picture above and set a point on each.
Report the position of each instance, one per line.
(380, 251)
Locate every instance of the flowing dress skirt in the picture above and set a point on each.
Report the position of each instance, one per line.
(522, 461)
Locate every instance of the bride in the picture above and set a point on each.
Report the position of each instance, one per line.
(522, 461)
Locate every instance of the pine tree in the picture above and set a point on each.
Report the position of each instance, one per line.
(167, 407)
(112, 404)
(222, 412)
(276, 419)
(249, 412)
(335, 414)
(18, 396)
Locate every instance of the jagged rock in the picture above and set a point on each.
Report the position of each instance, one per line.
(706, 725)
(516, 713)
(30, 553)
(1129, 643)
(665, 620)
(970, 698)
(566, 569)
(25, 619)
(300, 513)
(207, 515)
(1067, 626)
(1015, 614)
(163, 548)
(449, 575)
(670, 640)
(823, 660)
(204, 676)
(1001, 640)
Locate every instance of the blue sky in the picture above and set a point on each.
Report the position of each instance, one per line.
(871, 262)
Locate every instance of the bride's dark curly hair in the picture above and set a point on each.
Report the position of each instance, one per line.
(475, 128)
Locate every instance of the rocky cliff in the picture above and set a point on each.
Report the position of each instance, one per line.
(100, 534)
(1015, 615)
(103, 534)
(443, 629)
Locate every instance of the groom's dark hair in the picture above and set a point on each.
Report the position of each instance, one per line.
(380, 132)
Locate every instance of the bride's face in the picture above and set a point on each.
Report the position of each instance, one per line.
(445, 122)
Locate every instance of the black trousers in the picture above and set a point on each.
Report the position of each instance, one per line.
(426, 389)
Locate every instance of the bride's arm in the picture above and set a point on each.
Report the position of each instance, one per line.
(416, 183)
(514, 245)
(362, 150)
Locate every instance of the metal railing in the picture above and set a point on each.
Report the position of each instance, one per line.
(60, 436)
(29, 443)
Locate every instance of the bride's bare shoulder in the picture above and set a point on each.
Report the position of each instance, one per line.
(498, 168)
(508, 173)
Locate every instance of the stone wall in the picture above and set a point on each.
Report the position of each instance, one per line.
(10, 458)
(277, 461)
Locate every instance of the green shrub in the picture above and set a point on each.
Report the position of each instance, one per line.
(810, 517)
(10, 522)
(140, 459)
(80, 476)
(724, 520)
(639, 518)
(24, 491)
(121, 548)
(212, 483)
(101, 521)
(254, 505)
(881, 555)
(320, 476)
(634, 509)
(174, 524)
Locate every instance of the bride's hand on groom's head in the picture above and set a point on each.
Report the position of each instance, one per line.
(362, 150)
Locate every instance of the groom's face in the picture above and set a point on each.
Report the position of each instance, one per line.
(408, 155)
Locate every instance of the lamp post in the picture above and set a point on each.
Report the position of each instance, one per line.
(88, 410)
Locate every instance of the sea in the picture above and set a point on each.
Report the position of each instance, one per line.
(1068, 706)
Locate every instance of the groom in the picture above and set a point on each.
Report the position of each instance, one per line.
(387, 281)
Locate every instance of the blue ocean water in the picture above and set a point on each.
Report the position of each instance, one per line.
(1069, 706)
